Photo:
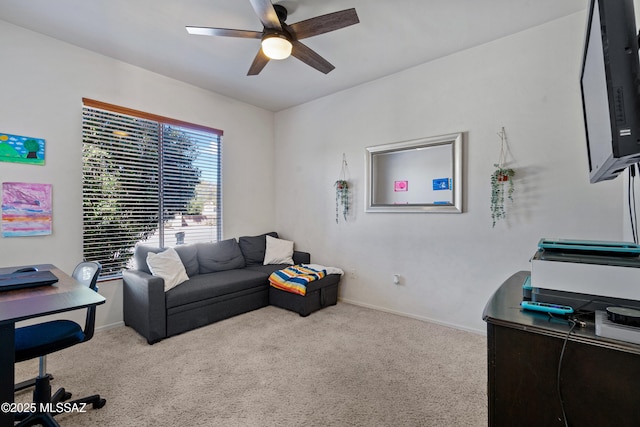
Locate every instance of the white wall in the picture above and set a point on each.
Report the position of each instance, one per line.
(43, 83)
(449, 264)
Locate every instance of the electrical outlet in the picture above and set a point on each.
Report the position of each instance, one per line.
(352, 273)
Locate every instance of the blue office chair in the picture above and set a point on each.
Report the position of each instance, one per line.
(44, 338)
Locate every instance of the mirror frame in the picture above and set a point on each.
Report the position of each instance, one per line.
(454, 140)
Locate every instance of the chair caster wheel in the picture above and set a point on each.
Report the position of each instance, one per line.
(66, 396)
(99, 404)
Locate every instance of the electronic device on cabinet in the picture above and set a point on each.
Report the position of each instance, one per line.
(585, 274)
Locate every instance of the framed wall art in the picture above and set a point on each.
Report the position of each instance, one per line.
(26, 209)
(21, 149)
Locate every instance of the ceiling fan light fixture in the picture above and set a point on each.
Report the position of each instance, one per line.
(276, 46)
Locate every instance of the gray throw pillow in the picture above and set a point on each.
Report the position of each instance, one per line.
(189, 256)
(220, 256)
(254, 247)
(140, 256)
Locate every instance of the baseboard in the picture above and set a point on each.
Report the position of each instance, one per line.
(109, 326)
(360, 304)
(414, 316)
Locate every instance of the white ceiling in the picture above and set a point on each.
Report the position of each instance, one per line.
(391, 36)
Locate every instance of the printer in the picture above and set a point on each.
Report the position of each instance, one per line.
(587, 275)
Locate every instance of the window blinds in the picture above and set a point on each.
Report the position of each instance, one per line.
(149, 180)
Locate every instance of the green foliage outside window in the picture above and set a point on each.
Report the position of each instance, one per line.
(134, 181)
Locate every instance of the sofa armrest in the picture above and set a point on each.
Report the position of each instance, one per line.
(300, 257)
(144, 304)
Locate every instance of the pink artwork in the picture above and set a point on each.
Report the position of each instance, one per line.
(26, 209)
(401, 186)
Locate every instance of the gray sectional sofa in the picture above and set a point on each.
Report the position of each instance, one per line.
(225, 279)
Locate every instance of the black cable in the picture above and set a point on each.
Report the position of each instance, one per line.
(559, 390)
(635, 210)
(632, 174)
(629, 202)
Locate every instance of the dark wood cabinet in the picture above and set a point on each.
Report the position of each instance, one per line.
(599, 378)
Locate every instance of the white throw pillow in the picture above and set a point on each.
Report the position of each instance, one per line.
(278, 251)
(167, 264)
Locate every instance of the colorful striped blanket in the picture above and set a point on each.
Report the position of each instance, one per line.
(294, 279)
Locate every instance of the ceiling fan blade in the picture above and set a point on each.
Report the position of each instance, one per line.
(309, 57)
(258, 63)
(209, 31)
(323, 24)
(267, 14)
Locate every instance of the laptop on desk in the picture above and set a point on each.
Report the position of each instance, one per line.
(21, 280)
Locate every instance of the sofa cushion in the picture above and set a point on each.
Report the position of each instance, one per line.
(189, 256)
(140, 256)
(267, 269)
(167, 264)
(212, 285)
(278, 251)
(219, 256)
(253, 247)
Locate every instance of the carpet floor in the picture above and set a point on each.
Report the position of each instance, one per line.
(344, 365)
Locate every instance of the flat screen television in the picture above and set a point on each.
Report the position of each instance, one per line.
(609, 82)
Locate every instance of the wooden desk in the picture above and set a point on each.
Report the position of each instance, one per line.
(600, 377)
(65, 295)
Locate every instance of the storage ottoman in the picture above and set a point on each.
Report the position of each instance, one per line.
(320, 293)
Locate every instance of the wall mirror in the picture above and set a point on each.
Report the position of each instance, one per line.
(422, 175)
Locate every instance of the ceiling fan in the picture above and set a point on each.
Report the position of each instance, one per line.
(279, 40)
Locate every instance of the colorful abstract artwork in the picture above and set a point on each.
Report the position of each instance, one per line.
(21, 149)
(26, 209)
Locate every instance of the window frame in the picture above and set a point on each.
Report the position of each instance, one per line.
(164, 124)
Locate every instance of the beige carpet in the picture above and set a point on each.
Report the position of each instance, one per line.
(341, 366)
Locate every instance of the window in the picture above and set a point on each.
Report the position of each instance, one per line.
(146, 179)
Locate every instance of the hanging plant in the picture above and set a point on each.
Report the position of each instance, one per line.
(342, 191)
(499, 178)
(502, 177)
(342, 199)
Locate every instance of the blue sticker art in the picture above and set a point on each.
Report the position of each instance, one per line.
(442, 184)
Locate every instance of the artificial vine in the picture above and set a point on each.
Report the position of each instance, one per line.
(499, 178)
(342, 191)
